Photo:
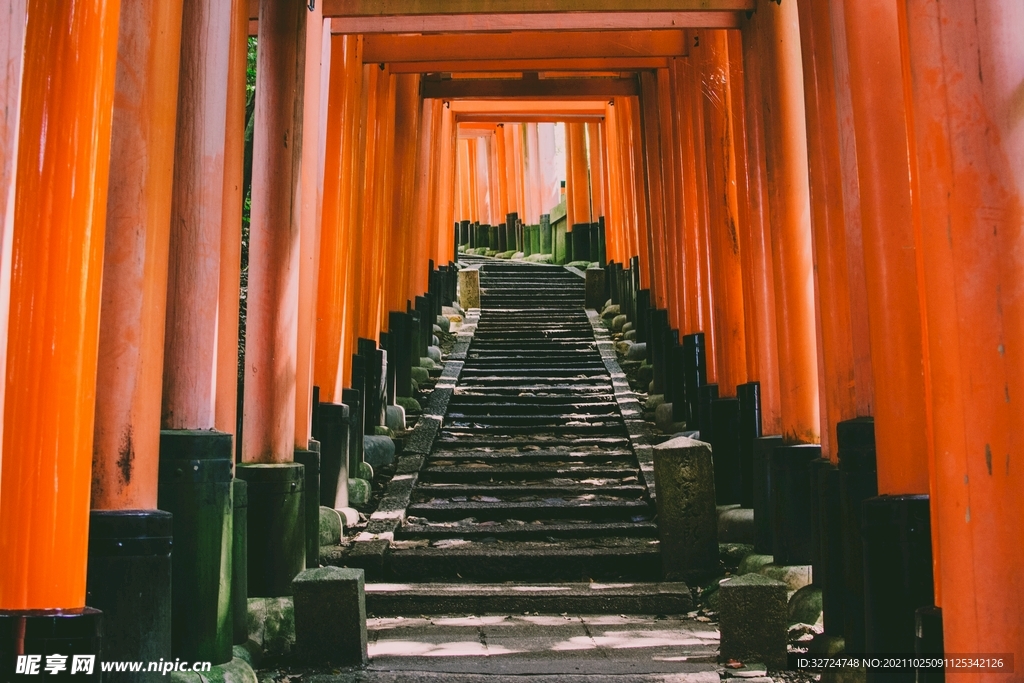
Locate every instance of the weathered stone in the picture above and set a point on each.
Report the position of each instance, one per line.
(379, 451)
(420, 375)
(733, 554)
(617, 323)
(795, 576)
(349, 516)
(443, 324)
(595, 286)
(626, 327)
(469, 287)
(663, 419)
(541, 258)
(736, 526)
(637, 351)
(805, 605)
(629, 335)
(434, 354)
(383, 431)
(644, 373)
(359, 491)
(272, 625)
(330, 616)
(610, 311)
(235, 671)
(366, 471)
(410, 405)
(653, 401)
(414, 386)
(434, 341)
(394, 418)
(331, 527)
(687, 525)
(752, 563)
(752, 620)
(622, 347)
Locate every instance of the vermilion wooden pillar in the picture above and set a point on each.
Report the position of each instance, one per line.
(836, 383)
(967, 64)
(786, 151)
(423, 194)
(331, 302)
(723, 209)
(597, 172)
(309, 227)
(226, 402)
(12, 50)
(197, 209)
(615, 237)
(59, 218)
(632, 120)
(403, 258)
(890, 253)
(126, 448)
(672, 187)
(654, 195)
(268, 427)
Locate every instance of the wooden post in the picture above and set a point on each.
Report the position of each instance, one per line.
(60, 203)
(967, 63)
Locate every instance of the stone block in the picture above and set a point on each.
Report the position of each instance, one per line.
(617, 323)
(629, 335)
(795, 576)
(736, 526)
(663, 420)
(443, 324)
(687, 522)
(394, 418)
(359, 491)
(626, 327)
(637, 351)
(752, 617)
(365, 471)
(805, 605)
(420, 375)
(644, 373)
(378, 451)
(622, 347)
(235, 671)
(610, 312)
(331, 527)
(434, 354)
(469, 288)
(410, 405)
(653, 401)
(427, 363)
(330, 616)
(272, 625)
(753, 562)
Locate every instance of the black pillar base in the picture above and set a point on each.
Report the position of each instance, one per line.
(195, 487)
(749, 396)
(791, 501)
(830, 520)
(897, 575)
(706, 394)
(239, 567)
(129, 580)
(310, 461)
(334, 419)
(724, 439)
(277, 526)
(762, 490)
(49, 632)
(928, 642)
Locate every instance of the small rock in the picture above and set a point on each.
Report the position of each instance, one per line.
(794, 576)
(637, 352)
(805, 605)
(410, 405)
(394, 418)
(434, 340)
(359, 491)
(436, 329)
(617, 322)
(644, 373)
(379, 451)
(434, 354)
(420, 375)
(622, 347)
(752, 563)
(630, 335)
(331, 527)
(383, 431)
(349, 515)
(653, 401)
(366, 470)
(610, 312)
(427, 363)
(627, 327)
(443, 324)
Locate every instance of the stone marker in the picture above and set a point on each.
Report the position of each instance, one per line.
(752, 616)
(378, 451)
(395, 418)
(687, 520)
(330, 616)
(469, 288)
(594, 288)
(331, 527)
(617, 323)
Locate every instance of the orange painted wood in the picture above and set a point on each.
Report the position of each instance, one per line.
(578, 182)
(690, 292)
(523, 45)
(615, 235)
(268, 418)
(538, 65)
(847, 160)
(640, 206)
(404, 263)
(332, 276)
(786, 150)
(567, 21)
(197, 212)
(225, 417)
(966, 60)
(424, 193)
(309, 228)
(12, 51)
(653, 186)
(126, 437)
(890, 250)
(755, 235)
(723, 212)
(380, 8)
(59, 219)
(671, 189)
(836, 382)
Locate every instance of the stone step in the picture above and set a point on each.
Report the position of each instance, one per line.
(504, 490)
(606, 508)
(469, 473)
(521, 530)
(389, 599)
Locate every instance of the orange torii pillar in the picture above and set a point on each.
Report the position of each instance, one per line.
(577, 191)
(446, 150)
(724, 211)
(307, 451)
(967, 63)
(404, 222)
(67, 92)
(12, 43)
(633, 124)
(673, 188)
(195, 459)
(276, 516)
(131, 538)
(653, 186)
(615, 235)
(892, 266)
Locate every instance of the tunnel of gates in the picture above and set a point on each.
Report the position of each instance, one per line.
(822, 198)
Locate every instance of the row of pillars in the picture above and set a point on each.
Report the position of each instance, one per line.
(832, 196)
(585, 242)
(121, 200)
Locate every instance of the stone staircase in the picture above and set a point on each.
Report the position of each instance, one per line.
(532, 476)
